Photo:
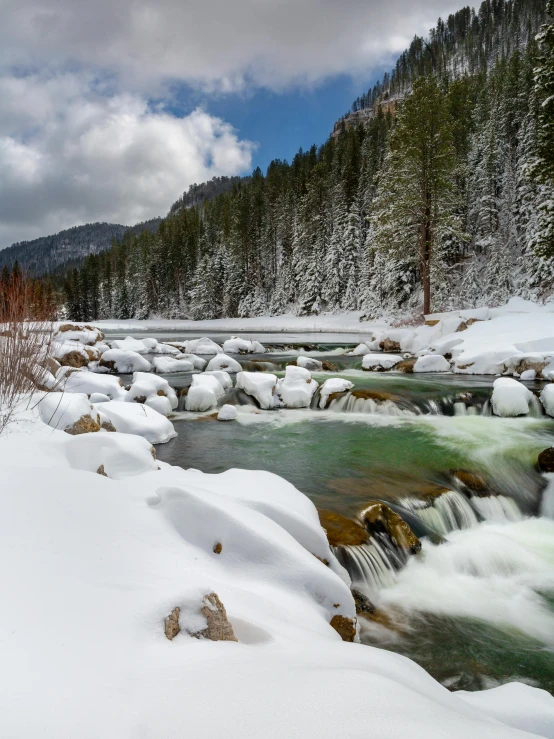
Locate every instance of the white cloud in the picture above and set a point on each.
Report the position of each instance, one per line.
(69, 155)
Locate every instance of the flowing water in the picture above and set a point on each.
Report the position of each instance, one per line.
(476, 606)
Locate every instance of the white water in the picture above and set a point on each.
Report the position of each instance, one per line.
(497, 508)
(351, 404)
(445, 513)
(494, 572)
(368, 564)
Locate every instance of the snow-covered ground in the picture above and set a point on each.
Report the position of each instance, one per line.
(93, 564)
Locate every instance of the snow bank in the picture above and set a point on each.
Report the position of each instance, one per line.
(432, 363)
(296, 389)
(380, 362)
(167, 365)
(62, 410)
(203, 346)
(203, 393)
(223, 362)
(116, 455)
(83, 381)
(313, 365)
(510, 397)
(261, 386)
(139, 419)
(124, 361)
(237, 345)
(334, 385)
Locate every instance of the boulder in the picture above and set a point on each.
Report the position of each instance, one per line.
(345, 627)
(471, 480)
(219, 628)
(546, 460)
(85, 425)
(74, 359)
(171, 624)
(388, 345)
(379, 519)
(406, 365)
(342, 531)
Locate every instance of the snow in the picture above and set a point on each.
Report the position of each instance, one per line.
(154, 392)
(139, 419)
(432, 363)
(60, 349)
(83, 381)
(167, 365)
(528, 375)
(197, 362)
(227, 413)
(334, 385)
(204, 392)
(224, 378)
(237, 345)
(126, 361)
(260, 385)
(83, 334)
(510, 397)
(296, 388)
(223, 362)
(99, 398)
(380, 361)
(203, 346)
(61, 410)
(547, 399)
(92, 566)
(143, 346)
(309, 363)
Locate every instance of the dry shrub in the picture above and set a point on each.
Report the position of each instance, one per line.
(26, 332)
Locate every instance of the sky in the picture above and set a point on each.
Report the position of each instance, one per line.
(110, 110)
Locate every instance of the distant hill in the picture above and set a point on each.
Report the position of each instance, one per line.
(68, 248)
(198, 194)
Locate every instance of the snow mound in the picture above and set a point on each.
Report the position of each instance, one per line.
(124, 361)
(334, 385)
(260, 385)
(203, 346)
(148, 345)
(237, 345)
(99, 398)
(360, 350)
(139, 419)
(81, 333)
(167, 365)
(380, 362)
(203, 393)
(120, 455)
(432, 363)
(224, 378)
(227, 413)
(197, 362)
(154, 391)
(83, 381)
(296, 389)
(510, 397)
(313, 365)
(223, 362)
(61, 349)
(63, 410)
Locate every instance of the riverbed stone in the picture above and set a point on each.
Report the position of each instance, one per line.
(342, 531)
(546, 460)
(378, 518)
(345, 627)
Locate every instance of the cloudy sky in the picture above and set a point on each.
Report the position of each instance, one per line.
(109, 109)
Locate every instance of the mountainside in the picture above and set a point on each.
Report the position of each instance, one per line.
(431, 194)
(67, 248)
(198, 194)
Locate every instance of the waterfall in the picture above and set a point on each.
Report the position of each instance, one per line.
(496, 508)
(368, 564)
(450, 511)
(350, 404)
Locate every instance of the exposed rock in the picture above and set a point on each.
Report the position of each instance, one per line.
(218, 548)
(210, 417)
(74, 359)
(323, 560)
(432, 323)
(345, 627)
(153, 453)
(161, 393)
(69, 327)
(85, 425)
(364, 606)
(107, 363)
(379, 519)
(108, 426)
(472, 480)
(406, 365)
(329, 366)
(171, 624)
(334, 396)
(387, 345)
(92, 354)
(219, 628)
(529, 364)
(546, 460)
(101, 471)
(342, 531)
(465, 366)
(372, 394)
(140, 399)
(183, 392)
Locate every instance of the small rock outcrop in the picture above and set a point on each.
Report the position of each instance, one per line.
(74, 359)
(108, 426)
(364, 607)
(388, 345)
(406, 365)
(345, 627)
(471, 480)
(379, 519)
(219, 628)
(218, 548)
(171, 624)
(85, 425)
(546, 460)
(342, 531)
(101, 471)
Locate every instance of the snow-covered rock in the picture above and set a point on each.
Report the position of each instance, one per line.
(203, 346)
(81, 333)
(203, 393)
(83, 381)
(528, 375)
(547, 399)
(432, 363)
(224, 378)
(167, 365)
(139, 419)
(70, 353)
(260, 385)
(360, 350)
(238, 345)
(296, 389)
(510, 397)
(227, 413)
(313, 365)
(154, 391)
(99, 398)
(223, 362)
(334, 385)
(129, 343)
(116, 455)
(380, 362)
(64, 411)
(197, 362)
(124, 361)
